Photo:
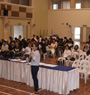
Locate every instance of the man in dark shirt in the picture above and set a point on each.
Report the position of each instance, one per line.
(17, 50)
(11, 49)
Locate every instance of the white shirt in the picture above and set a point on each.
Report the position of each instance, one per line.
(67, 53)
(53, 45)
(4, 47)
(27, 50)
(36, 58)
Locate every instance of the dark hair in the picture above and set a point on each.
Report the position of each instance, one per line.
(77, 47)
(37, 45)
(65, 37)
(12, 41)
(66, 46)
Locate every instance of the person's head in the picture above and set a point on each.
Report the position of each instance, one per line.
(40, 36)
(20, 36)
(67, 47)
(16, 44)
(33, 41)
(86, 45)
(4, 42)
(35, 47)
(46, 41)
(70, 39)
(76, 47)
(65, 38)
(12, 43)
(33, 36)
(10, 38)
(15, 38)
(53, 40)
(29, 44)
(49, 39)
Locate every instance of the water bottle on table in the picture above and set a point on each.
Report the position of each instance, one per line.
(27, 60)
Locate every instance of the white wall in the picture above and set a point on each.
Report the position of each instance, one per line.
(57, 20)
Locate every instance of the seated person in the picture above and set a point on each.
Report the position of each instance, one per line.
(4, 49)
(27, 51)
(11, 49)
(75, 52)
(60, 47)
(67, 55)
(86, 47)
(12, 46)
(67, 52)
(70, 43)
(53, 46)
(17, 50)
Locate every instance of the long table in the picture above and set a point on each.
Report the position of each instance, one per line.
(60, 79)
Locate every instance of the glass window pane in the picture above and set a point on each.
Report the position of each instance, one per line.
(77, 31)
(77, 36)
(24, 2)
(65, 4)
(68, 4)
(55, 6)
(77, 43)
(15, 1)
(78, 5)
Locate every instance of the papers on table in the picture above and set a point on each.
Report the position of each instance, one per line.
(23, 61)
(18, 60)
(14, 59)
(49, 65)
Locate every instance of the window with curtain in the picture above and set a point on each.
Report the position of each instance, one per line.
(65, 5)
(78, 6)
(24, 2)
(21, 2)
(55, 6)
(15, 1)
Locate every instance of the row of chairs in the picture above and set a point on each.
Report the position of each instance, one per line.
(78, 56)
(82, 62)
(83, 67)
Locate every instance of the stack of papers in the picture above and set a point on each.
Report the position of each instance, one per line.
(49, 65)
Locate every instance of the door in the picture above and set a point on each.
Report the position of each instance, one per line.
(18, 30)
(76, 35)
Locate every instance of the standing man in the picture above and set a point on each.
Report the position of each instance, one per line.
(35, 66)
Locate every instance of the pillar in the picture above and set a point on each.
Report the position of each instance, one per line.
(49, 4)
(72, 4)
(5, 27)
(84, 33)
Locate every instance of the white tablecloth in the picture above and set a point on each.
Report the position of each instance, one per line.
(61, 82)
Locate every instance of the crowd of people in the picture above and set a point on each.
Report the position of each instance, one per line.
(22, 48)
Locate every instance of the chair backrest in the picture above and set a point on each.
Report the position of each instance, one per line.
(82, 55)
(88, 58)
(61, 58)
(76, 64)
(84, 65)
(75, 55)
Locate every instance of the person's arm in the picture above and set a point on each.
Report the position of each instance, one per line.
(2, 48)
(7, 48)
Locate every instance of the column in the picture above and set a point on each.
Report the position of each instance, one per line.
(30, 27)
(49, 4)
(5, 27)
(30, 2)
(72, 4)
(84, 34)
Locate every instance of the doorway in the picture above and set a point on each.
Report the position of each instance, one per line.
(76, 35)
(18, 30)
